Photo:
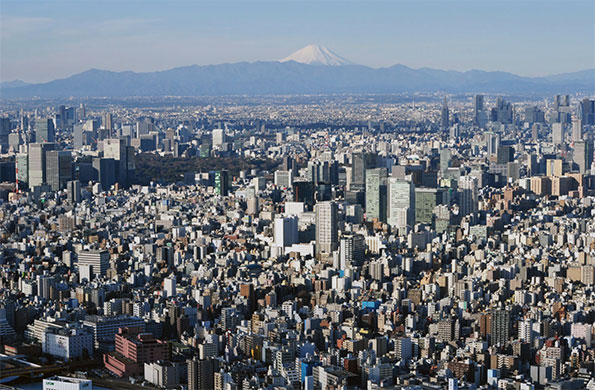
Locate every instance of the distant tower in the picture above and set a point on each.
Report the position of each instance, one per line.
(444, 117)
(327, 239)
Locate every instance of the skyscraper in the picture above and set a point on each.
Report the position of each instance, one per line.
(557, 133)
(37, 163)
(58, 169)
(352, 250)
(500, 327)
(222, 183)
(326, 227)
(376, 194)
(360, 162)
(116, 149)
(99, 260)
(201, 374)
(583, 155)
(468, 195)
(444, 116)
(286, 231)
(73, 188)
(492, 142)
(44, 130)
(401, 202)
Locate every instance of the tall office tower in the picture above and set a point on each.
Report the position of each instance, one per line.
(500, 327)
(586, 111)
(360, 162)
(22, 169)
(218, 137)
(376, 194)
(222, 183)
(313, 172)
(4, 131)
(444, 116)
(468, 195)
(73, 189)
(44, 130)
(108, 122)
(58, 169)
(492, 142)
(116, 149)
(525, 331)
(327, 239)
(426, 199)
(477, 109)
(201, 373)
(502, 112)
(286, 231)
(534, 115)
(169, 286)
(583, 155)
(352, 249)
(577, 130)
(561, 101)
(37, 163)
(98, 260)
(401, 202)
(505, 154)
(445, 159)
(557, 133)
(105, 169)
(287, 163)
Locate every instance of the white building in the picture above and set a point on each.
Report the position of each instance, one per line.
(67, 343)
(66, 383)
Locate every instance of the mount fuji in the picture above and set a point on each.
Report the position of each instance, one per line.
(317, 55)
(311, 70)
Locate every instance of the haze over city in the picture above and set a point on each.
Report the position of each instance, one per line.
(529, 38)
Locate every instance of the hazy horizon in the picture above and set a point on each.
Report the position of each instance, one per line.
(40, 42)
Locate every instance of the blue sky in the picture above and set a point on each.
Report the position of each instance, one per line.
(44, 40)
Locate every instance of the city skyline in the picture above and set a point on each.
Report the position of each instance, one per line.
(77, 36)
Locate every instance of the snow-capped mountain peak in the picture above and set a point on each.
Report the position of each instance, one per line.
(316, 55)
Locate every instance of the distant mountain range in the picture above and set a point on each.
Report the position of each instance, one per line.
(312, 70)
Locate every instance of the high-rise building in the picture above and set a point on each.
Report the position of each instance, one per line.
(557, 133)
(5, 127)
(360, 163)
(58, 169)
(445, 159)
(500, 327)
(401, 202)
(201, 374)
(116, 148)
(477, 109)
(326, 227)
(577, 130)
(376, 194)
(492, 142)
(44, 130)
(105, 170)
(218, 137)
(586, 111)
(468, 195)
(583, 155)
(444, 116)
(222, 183)
(73, 188)
(37, 163)
(99, 260)
(426, 199)
(505, 154)
(286, 231)
(352, 250)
